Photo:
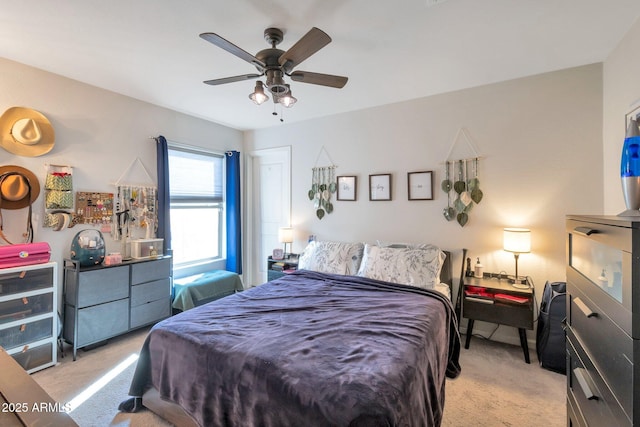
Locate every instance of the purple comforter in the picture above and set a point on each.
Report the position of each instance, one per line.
(309, 349)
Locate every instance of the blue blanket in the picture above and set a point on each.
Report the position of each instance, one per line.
(307, 349)
(202, 288)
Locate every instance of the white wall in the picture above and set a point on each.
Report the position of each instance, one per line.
(99, 133)
(540, 138)
(621, 79)
(540, 141)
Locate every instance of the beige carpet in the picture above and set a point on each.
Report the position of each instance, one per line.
(496, 387)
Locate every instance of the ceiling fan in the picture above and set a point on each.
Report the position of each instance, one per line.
(274, 64)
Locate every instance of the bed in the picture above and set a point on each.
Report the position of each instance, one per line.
(327, 345)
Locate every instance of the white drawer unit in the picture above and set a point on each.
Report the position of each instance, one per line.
(28, 314)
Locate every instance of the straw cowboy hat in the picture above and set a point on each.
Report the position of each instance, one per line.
(26, 132)
(15, 185)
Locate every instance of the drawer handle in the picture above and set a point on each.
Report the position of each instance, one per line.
(581, 375)
(584, 308)
(585, 231)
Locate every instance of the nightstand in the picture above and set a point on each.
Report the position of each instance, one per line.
(495, 300)
(277, 268)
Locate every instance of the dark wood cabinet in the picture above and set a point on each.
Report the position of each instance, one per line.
(495, 300)
(603, 325)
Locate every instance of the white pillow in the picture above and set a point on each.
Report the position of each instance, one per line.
(332, 257)
(415, 266)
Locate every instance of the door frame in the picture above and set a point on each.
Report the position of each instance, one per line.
(251, 254)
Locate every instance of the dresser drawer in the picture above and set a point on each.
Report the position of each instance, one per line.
(25, 281)
(150, 312)
(97, 286)
(150, 270)
(610, 348)
(102, 321)
(601, 265)
(516, 315)
(151, 291)
(34, 358)
(589, 391)
(574, 417)
(26, 307)
(25, 333)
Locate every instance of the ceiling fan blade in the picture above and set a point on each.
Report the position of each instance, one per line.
(232, 48)
(224, 80)
(309, 44)
(319, 79)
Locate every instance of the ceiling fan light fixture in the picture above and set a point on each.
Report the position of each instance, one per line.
(258, 96)
(287, 100)
(273, 64)
(275, 82)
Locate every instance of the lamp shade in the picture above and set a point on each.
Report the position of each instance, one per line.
(285, 235)
(258, 96)
(517, 240)
(287, 99)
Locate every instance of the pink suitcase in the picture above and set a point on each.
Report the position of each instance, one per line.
(24, 254)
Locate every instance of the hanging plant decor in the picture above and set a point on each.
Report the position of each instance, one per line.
(461, 176)
(323, 186)
(466, 189)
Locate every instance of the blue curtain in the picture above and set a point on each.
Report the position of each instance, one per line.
(234, 225)
(164, 213)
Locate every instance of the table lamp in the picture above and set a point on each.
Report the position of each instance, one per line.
(285, 235)
(518, 241)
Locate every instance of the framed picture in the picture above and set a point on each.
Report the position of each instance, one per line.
(420, 185)
(347, 188)
(380, 187)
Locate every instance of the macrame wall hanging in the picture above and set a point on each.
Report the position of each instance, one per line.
(461, 182)
(135, 204)
(323, 186)
(58, 197)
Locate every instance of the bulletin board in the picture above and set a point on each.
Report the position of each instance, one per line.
(94, 208)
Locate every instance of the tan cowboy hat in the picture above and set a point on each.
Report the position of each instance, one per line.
(14, 187)
(26, 132)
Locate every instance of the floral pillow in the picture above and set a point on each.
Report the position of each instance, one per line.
(416, 266)
(332, 257)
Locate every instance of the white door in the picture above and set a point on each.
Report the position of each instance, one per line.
(269, 199)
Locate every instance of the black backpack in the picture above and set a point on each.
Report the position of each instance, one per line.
(551, 336)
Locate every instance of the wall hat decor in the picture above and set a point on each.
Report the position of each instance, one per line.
(19, 187)
(461, 181)
(26, 132)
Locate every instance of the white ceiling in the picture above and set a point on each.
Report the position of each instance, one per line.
(391, 50)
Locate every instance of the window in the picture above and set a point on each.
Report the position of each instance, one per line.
(197, 204)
